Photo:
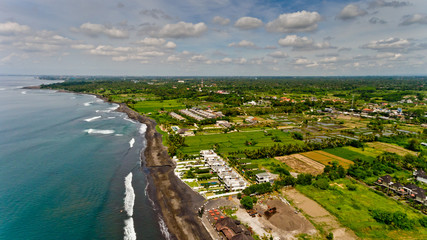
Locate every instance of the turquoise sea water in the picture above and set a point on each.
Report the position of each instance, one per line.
(63, 162)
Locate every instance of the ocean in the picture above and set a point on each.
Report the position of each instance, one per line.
(70, 167)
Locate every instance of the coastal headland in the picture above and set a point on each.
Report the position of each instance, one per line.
(178, 204)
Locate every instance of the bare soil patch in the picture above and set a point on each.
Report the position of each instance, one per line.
(286, 223)
(302, 164)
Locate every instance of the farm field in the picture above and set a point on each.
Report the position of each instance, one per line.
(352, 208)
(387, 147)
(234, 141)
(154, 106)
(302, 164)
(352, 153)
(326, 158)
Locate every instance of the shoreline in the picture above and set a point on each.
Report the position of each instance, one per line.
(176, 202)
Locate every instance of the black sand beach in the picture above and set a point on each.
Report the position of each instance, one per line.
(177, 202)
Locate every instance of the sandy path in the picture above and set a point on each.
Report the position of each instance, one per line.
(319, 215)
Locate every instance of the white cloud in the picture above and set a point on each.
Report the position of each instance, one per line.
(220, 20)
(243, 44)
(278, 54)
(329, 60)
(302, 43)
(107, 50)
(227, 60)
(43, 41)
(382, 3)
(198, 58)
(173, 58)
(295, 22)
(82, 46)
(152, 41)
(170, 45)
(183, 30)
(390, 44)
(246, 23)
(414, 19)
(10, 28)
(94, 30)
(390, 56)
(351, 11)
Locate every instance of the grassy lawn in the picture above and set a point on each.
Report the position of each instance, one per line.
(351, 153)
(352, 210)
(232, 142)
(154, 106)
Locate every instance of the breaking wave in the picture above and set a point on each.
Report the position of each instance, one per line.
(128, 119)
(131, 142)
(24, 92)
(129, 201)
(97, 131)
(87, 104)
(163, 228)
(92, 118)
(143, 128)
(129, 228)
(129, 195)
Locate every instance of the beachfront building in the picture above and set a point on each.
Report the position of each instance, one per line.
(231, 179)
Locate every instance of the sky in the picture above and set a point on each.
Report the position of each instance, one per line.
(213, 37)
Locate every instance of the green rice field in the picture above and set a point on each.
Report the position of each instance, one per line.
(157, 105)
(234, 141)
(352, 208)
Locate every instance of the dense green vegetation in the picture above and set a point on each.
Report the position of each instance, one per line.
(355, 209)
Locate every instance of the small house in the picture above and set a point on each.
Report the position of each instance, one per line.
(420, 175)
(385, 180)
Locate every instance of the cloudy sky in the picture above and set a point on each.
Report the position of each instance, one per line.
(213, 37)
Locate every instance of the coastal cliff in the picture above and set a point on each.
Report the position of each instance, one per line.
(177, 202)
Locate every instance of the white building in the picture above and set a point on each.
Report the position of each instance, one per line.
(263, 177)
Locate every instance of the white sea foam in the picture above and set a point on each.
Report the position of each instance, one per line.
(106, 111)
(114, 107)
(24, 92)
(92, 118)
(128, 119)
(98, 131)
(129, 228)
(143, 128)
(129, 199)
(111, 117)
(118, 135)
(87, 104)
(2, 89)
(131, 142)
(164, 229)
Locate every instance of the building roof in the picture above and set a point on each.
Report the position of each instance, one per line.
(385, 179)
(243, 236)
(397, 185)
(420, 173)
(262, 175)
